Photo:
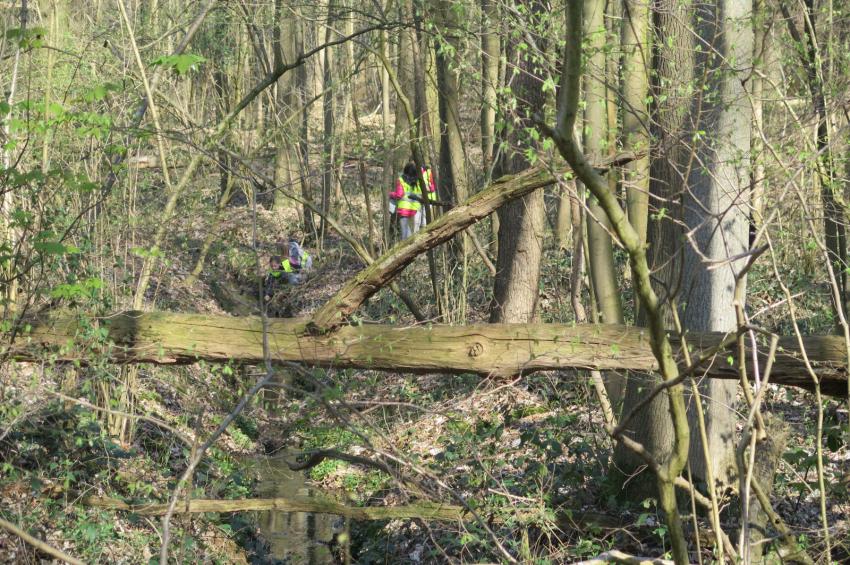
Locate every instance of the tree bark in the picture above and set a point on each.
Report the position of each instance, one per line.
(635, 88)
(329, 144)
(405, 131)
(453, 176)
(485, 349)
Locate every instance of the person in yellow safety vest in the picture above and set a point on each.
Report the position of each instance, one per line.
(422, 221)
(274, 278)
(408, 200)
(298, 263)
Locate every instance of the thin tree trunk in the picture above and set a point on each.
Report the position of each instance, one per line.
(600, 248)
(361, 166)
(388, 170)
(760, 43)
(328, 114)
(635, 87)
(405, 131)
(7, 233)
(286, 46)
(453, 180)
(490, 52)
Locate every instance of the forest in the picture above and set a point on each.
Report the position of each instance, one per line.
(424, 281)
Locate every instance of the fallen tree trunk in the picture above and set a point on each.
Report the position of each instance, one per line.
(386, 267)
(484, 349)
(377, 275)
(421, 510)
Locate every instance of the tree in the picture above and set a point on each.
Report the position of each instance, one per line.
(521, 223)
(716, 210)
(698, 252)
(600, 248)
(673, 72)
(490, 54)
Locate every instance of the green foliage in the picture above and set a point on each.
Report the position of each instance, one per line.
(101, 91)
(29, 38)
(180, 64)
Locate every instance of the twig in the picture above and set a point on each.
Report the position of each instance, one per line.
(38, 544)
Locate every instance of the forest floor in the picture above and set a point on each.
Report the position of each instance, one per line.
(534, 444)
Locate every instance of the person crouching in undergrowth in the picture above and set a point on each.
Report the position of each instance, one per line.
(297, 264)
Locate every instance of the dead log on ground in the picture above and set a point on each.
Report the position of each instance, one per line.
(420, 510)
(484, 349)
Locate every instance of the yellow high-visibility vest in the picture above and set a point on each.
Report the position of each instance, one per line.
(406, 202)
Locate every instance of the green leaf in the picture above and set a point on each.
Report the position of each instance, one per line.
(101, 91)
(51, 247)
(180, 64)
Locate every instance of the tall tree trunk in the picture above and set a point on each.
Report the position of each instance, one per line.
(673, 71)
(490, 52)
(635, 88)
(714, 204)
(453, 179)
(601, 253)
(760, 43)
(522, 222)
(287, 159)
(404, 130)
(328, 117)
(423, 110)
(716, 211)
(388, 171)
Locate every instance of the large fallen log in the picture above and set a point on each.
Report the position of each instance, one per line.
(421, 510)
(386, 267)
(484, 349)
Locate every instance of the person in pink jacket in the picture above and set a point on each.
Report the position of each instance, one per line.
(407, 197)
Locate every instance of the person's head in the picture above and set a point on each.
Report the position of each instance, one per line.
(274, 262)
(294, 253)
(410, 169)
